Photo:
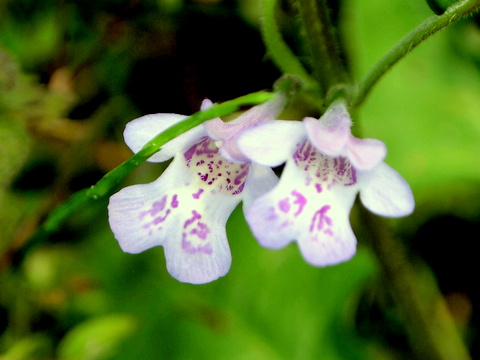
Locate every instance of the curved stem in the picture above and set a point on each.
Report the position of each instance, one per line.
(421, 33)
(282, 56)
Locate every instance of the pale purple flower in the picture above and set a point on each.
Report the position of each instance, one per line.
(186, 209)
(325, 169)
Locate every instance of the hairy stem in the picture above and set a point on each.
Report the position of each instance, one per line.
(430, 328)
(282, 56)
(454, 13)
(325, 59)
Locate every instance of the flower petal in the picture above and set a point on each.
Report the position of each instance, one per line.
(140, 215)
(140, 131)
(385, 192)
(298, 209)
(336, 116)
(271, 142)
(198, 252)
(266, 111)
(329, 140)
(228, 132)
(206, 104)
(175, 213)
(274, 217)
(217, 129)
(330, 239)
(260, 180)
(365, 154)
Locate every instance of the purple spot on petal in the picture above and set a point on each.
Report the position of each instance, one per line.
(331, 171)
(206, 162)
(239, 189)
(174, 203)
(240, 178)
(271, 216)
(200, 148)
(320, 220)
(188, 247)
(157, 206)
(202, 231)
(197, 194)
(329, 232)
(300, 200)
(196, 216)
(284, 205)
(318, 187)
(161, 219)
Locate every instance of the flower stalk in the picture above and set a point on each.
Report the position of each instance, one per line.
(430, 328)
(325, 59)
(281, 55)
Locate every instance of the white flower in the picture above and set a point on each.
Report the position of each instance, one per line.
(186, 209)
(325, 168)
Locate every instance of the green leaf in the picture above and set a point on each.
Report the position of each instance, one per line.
(36, 347)
(97, 339)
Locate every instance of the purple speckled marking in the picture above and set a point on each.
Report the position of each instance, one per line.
(330, 171)
(321, 220)
(271, 215)
(239, 189)
(157, 206)
(329, 232)
(308, 180)
(284, 205)
(156, 221)
(175, 202)
(201, 231)
(285, 224)
(241, 174)
(188, 247)
(300, 200)
(202, 147)
(196, 239)
(161, 219)
(159, 211)
(197, 194)
(215, 173)
(196, 216)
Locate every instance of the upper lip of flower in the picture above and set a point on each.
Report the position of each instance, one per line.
(228, 133)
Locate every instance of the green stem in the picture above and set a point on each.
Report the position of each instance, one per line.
(430, 328)
(326, 63)
(109, 182)
(454, 13)
(282, 56)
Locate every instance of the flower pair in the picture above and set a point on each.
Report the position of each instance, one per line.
(216, 165)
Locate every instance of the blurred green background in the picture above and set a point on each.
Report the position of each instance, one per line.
(74, 72)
